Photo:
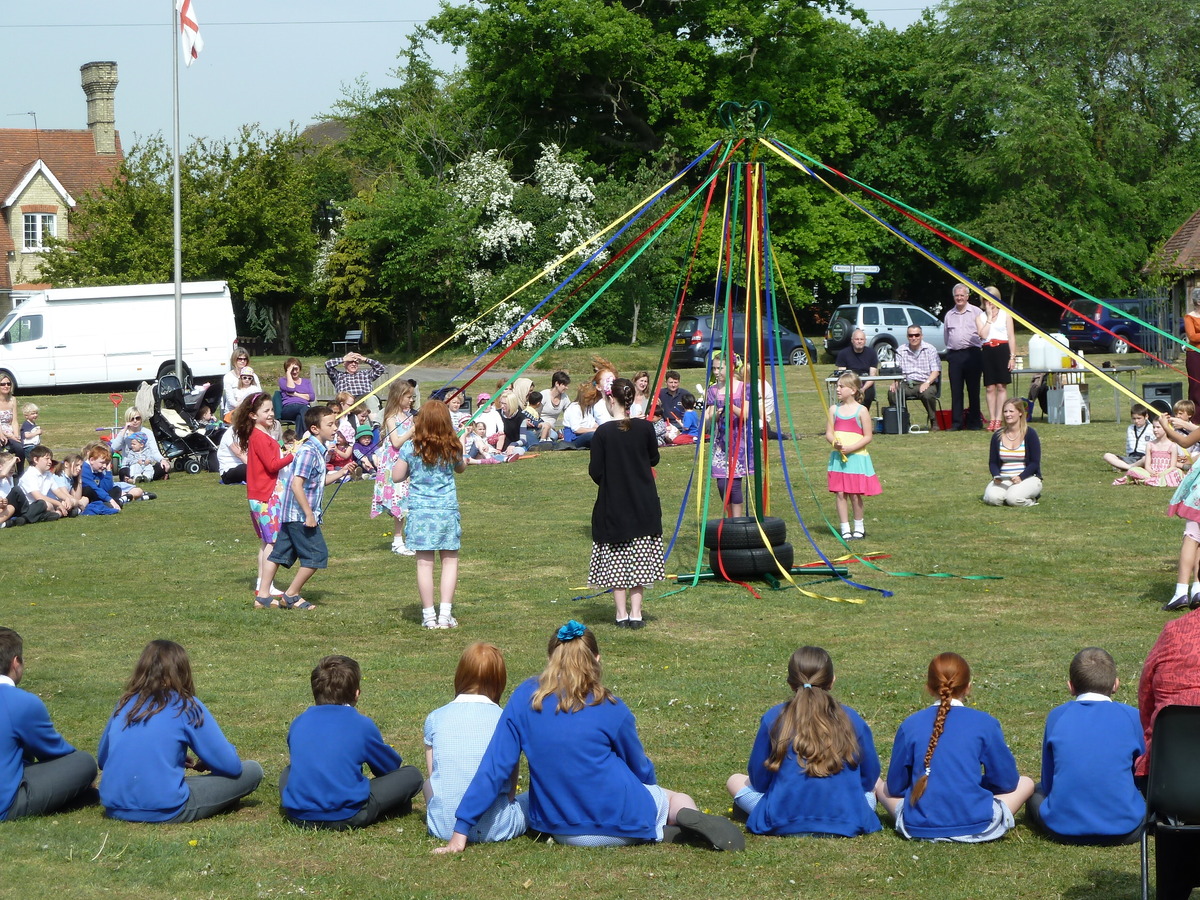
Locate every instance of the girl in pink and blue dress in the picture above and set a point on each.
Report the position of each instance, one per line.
(851, 472)
(392, 496)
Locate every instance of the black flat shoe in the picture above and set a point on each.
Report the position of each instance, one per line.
(1180, 602)
(717, 831)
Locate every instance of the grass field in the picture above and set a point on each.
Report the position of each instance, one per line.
(1089, 565)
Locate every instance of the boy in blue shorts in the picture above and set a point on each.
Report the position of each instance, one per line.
(1087, 793)
(300, 515)
(329, 743)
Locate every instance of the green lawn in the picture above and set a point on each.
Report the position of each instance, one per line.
(1090, 565)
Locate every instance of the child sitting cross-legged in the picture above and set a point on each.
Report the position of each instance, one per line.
(329, 743)
(1087, 793)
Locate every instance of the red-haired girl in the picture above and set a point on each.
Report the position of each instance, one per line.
(430, 461)
(951, 776)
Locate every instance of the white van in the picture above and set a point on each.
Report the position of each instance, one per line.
(117, 334)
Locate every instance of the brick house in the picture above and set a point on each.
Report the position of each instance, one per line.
(1177, 262)
(44, 173)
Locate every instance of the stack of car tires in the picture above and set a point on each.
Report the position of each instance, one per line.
(737, 550)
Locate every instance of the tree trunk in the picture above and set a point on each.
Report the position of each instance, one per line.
(637, 308)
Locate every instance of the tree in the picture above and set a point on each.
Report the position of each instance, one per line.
(246, 217)
(1074, 124)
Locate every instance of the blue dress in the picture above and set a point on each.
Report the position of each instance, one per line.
(433, 522)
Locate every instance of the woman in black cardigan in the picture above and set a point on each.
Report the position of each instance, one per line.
(627, 551)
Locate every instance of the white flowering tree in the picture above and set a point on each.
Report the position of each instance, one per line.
(522, 226)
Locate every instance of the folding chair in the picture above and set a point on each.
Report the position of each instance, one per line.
(1173, 804)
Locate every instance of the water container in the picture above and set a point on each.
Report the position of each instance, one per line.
(1060, 359)
(1039, 353)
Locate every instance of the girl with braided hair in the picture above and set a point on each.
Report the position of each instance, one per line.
(814, 762)
(951, 776)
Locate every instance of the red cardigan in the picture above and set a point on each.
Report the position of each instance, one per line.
(263, 462)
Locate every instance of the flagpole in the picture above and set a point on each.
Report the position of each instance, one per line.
(175, 24)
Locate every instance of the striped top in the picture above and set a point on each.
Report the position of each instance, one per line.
(1012, 461)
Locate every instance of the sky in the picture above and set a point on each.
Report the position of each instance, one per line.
(271, 62)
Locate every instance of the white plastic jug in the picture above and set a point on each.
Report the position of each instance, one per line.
(1041, 352)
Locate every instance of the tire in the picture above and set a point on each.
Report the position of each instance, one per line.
(799, 357)
(177, 465)
(1120, 345)
(839, 330)
(168, 368)
(192, 467)
(751, 562)
(741, 533)
(886, 352)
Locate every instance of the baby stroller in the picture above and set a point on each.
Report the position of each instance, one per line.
(181, 439)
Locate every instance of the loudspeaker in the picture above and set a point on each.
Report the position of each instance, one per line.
(1162, 395)
(895, 420)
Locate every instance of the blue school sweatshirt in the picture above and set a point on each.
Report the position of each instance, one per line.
(958, 798)
(586, 769)
(328, 745)
(796, 803)
(26, 732)
(143, 777)
(1087, 769)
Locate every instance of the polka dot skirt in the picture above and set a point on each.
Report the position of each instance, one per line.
(627, 565)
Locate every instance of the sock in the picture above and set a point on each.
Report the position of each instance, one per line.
(1195, 588)
(428, 614)
(444, 610)
(1181, 589)
(845, 528)
(858, 525)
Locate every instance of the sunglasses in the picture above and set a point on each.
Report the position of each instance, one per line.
(5, 384)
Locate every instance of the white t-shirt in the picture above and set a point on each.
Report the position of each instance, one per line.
(33, 480)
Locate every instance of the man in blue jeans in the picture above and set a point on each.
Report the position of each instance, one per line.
(40, 772)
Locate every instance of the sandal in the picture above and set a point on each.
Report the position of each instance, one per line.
(296, 603)
(857, 535)
(265, 602)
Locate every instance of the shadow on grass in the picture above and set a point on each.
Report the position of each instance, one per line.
(1104, 884)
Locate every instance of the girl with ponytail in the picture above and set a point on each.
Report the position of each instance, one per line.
(951, 776)
(813, 768)
(590, 782)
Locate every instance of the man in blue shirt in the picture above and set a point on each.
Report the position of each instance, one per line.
(39, 771)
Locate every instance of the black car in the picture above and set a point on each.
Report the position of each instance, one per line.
(694, 342)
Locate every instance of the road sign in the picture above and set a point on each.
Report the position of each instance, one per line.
(870, 270)
(855, 278)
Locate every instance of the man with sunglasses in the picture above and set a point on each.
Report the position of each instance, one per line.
(921, 367)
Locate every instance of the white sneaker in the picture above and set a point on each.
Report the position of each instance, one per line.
(404, 551)
(447, 622)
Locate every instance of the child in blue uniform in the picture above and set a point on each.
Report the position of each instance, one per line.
(851, 473)
(144, 748)
(951, 776)
(456, 736)
(813, 768)
(329, 743)
(1087, 794)
(590, 783)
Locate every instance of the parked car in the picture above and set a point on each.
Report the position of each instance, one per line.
(885, 325)
(694, 342)
(1082, 334)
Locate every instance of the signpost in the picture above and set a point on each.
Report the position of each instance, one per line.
(856, 275)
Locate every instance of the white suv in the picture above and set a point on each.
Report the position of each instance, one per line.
(885, 325)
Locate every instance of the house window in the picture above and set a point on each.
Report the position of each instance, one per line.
(39, 227)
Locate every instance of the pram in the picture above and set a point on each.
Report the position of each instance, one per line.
(181, 439)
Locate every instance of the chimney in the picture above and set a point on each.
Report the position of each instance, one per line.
(100, 85)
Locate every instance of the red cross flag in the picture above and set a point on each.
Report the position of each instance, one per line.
(189, 31)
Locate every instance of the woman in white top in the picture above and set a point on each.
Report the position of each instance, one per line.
(232, 382)
(999, 350)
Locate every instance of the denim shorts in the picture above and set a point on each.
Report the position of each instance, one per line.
(296, 541)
